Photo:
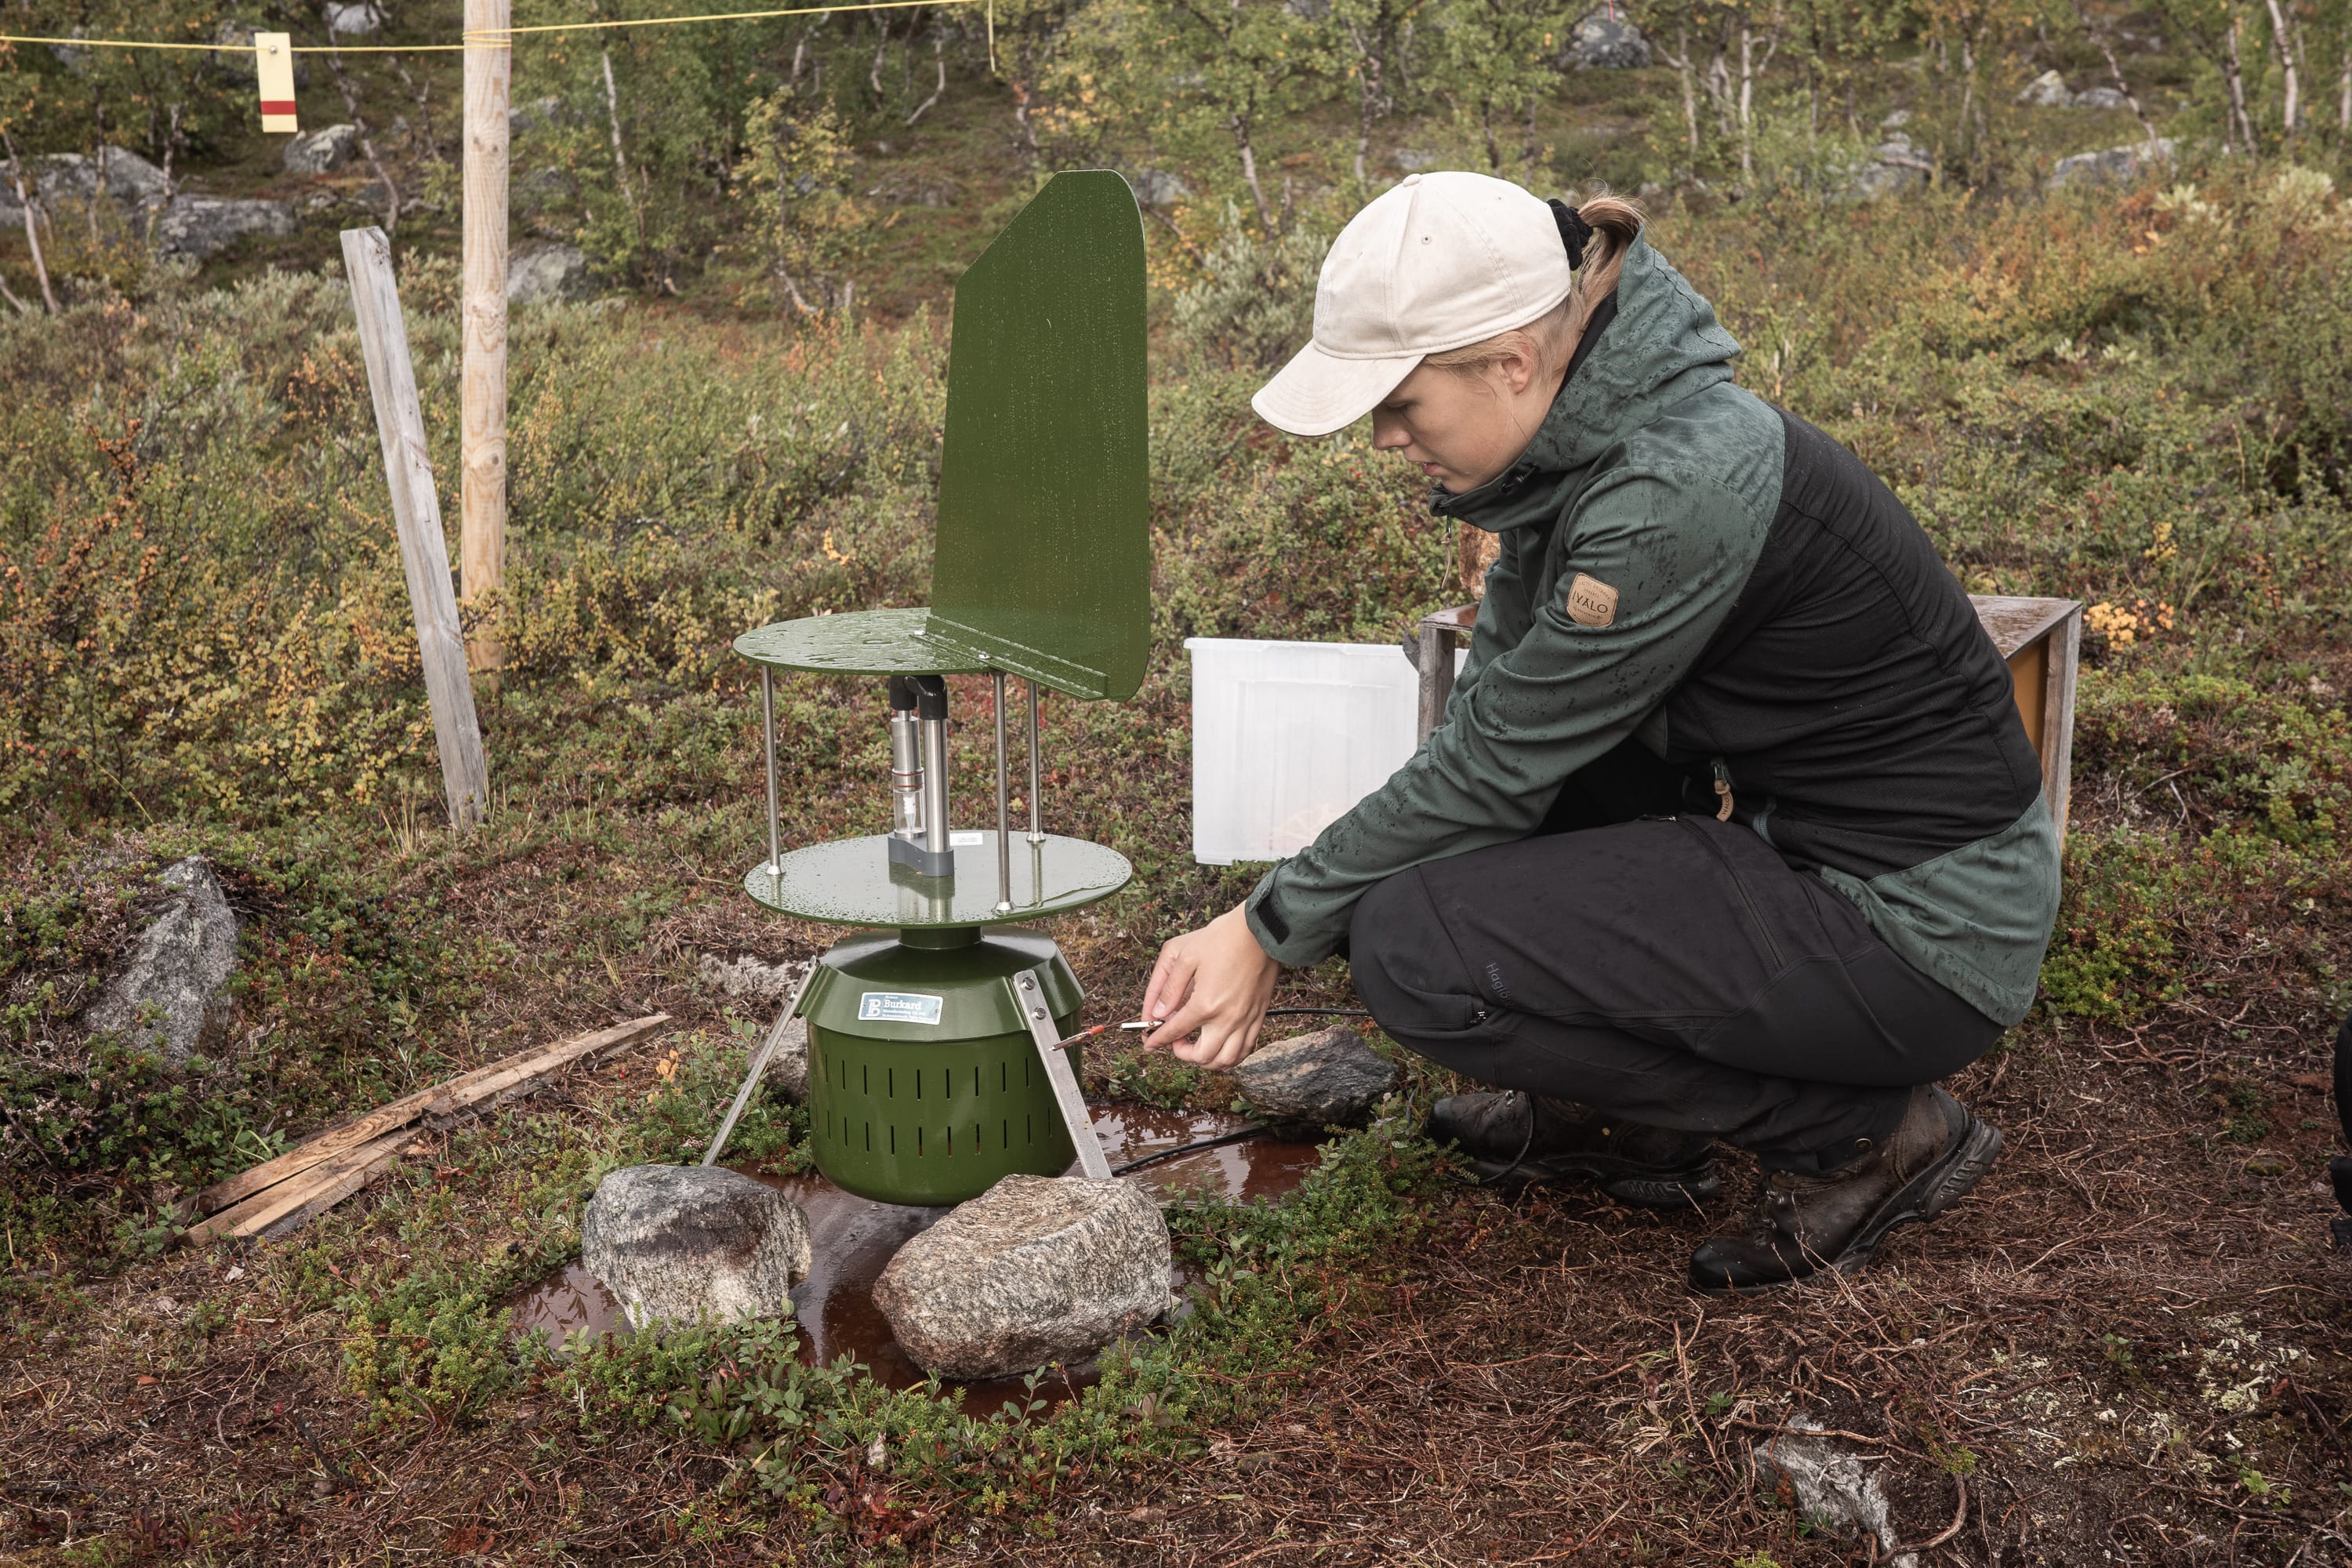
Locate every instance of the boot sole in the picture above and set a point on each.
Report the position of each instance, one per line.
(1925, 1196)
(1649, 1189)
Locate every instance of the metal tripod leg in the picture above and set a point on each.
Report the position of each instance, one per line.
(1031, 1000)
(760, 1059)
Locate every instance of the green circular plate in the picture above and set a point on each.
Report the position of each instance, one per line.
(860, 642)
(851, 881)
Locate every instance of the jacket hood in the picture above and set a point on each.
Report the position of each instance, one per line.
(1663, 344)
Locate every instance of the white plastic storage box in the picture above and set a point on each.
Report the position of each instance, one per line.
(1287, 735)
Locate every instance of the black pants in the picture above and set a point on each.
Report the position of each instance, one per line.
(1668, 969)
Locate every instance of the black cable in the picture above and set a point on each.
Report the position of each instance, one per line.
(1237, 1136)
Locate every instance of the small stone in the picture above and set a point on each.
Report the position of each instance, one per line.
(1035, 1269)
(541, 270)
(176, 980)
(2124, 163)
(322, 151)
(680, 1245)
(2048, 91)
(1603, 41)
(788, 1069)
(1829, 1485)
(1327, 1079)
(351, 20)
(2100, 98)
(750, 976)
(204, 226)
(1159, 187)
(538, 114)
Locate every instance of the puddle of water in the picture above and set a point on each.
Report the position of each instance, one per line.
(852, 1239)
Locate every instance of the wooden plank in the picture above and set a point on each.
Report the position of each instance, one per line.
(342, 1175)
(2065, 643)
(416, 511)
(2013, 620)
(482, 501)
(364, 1166)
(460, 1092)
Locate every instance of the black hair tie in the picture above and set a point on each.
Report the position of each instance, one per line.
(1574, 232)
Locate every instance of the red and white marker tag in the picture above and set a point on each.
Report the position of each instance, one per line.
(273, 58)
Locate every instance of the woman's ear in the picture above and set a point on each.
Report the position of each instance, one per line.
(1520, 365)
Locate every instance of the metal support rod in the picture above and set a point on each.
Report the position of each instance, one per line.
(1031, 1000)
(760, 1059)
(1003, 808)
(1036, 833)
(767, 726)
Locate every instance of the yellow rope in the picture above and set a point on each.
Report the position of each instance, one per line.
(474, 35)
(498, 38)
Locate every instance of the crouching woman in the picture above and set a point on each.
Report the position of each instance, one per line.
(1731, 830)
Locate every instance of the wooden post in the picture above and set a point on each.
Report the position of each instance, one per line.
(416, 511)
(483, 456)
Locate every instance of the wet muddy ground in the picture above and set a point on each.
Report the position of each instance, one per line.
(852, 1240)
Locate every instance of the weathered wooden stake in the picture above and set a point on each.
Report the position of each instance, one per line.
(424, 551)
(490, 61)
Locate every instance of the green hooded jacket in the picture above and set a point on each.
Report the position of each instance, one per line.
(1685, 565)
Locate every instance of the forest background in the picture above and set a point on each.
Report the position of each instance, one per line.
(2126, 383)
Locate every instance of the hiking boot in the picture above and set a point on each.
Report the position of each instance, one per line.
(1804, 1225)
(1516, 1139)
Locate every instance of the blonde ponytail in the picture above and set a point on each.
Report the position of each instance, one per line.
(1552, 339)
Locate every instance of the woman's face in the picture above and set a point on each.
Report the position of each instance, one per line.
(1462, 427)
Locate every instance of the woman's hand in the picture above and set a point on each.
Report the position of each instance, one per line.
(1216, 983)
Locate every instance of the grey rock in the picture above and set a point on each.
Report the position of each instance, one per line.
(205, 226)
(1035, 1269)
(2048, 91)
(131, 183)
(1601, 42)
(538, 114)
(352, 20)
(743, 976)
(1895, 164)
(680, 1245)
(2124, 163)
(1326, 1078)
(1895, 121)
(1829, 1486)
(322, 152)
(177, 977)
(542, 270)
(788, 1069)
(1413, 160)
(1159, 187)
(2100, 98)
(536, 190)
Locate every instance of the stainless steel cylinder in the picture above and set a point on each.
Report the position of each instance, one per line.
(906, 774)
(768, 729)
(935, 784)
(1036, 786)
(1003, 806)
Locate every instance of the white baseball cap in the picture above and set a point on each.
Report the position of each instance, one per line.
(1437, 262)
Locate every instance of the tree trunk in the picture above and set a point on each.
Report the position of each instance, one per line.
(2283, 39)
(1241, 130)
(2116, 75)
(620, 159)
(1690, 87)
(2233, 67)
(367, 141)
(32, 226)
(938, 53)
(2343, 95)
